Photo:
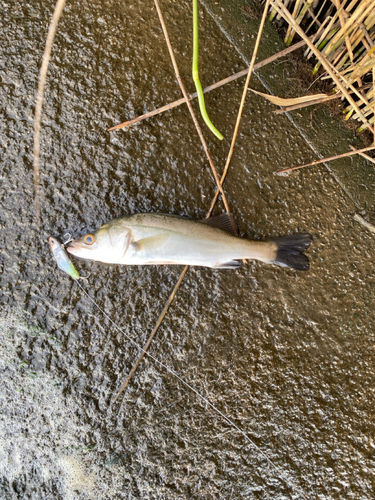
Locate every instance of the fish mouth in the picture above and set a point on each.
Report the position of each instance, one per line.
(74, 248)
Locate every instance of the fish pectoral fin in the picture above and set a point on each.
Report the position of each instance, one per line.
(150, 243)
(232, 264)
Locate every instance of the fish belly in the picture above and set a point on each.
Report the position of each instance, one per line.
(215, 250)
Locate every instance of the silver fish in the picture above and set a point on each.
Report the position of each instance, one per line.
(144, 239)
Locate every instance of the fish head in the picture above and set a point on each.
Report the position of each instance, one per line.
(107, 244)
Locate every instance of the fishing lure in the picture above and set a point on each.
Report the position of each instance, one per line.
(60, 255)
(195, 74)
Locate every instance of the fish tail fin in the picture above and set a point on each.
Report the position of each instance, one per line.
(290, 251)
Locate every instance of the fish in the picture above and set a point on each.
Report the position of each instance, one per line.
(62, 258)
(158, 239)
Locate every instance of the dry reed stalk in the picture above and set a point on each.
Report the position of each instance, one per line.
(216, 85)
(351, 5)
(343, 19)
(363, 9)
(341, 55)
(361, 97)
(170, 300)
(354, 38)
(356, 92)
(316, 162)
(274, 12)
(366, 113)
(315, 17)
(286, 102)
(369, 158)
(371, 120)
(328, 32)
(353, 22)
(287, 2)
(358, 36)
(366, 35)
(187, 100)
(327, 66)
(325, 36)
(357, 54)
(154, 331)
(304, 10)
(364, 223)
(330, 10)
(39, 103)
(239, 115)
(290, 32)
(355, 71)
(370, 94)
(366, 64)
(369, 23)
(315, 20)
(182, 275)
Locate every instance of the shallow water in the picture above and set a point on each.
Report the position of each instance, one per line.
(288, 356)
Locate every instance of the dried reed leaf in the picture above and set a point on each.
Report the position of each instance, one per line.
(280, 101)
(310, 103)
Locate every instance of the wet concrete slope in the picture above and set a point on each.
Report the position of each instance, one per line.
(325, 136)
(288, 356)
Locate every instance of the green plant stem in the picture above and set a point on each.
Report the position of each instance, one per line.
(197, 82)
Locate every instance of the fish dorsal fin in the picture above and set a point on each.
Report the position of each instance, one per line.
(150, 243)
(225, 222)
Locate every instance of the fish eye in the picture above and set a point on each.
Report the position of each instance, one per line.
(89, 239)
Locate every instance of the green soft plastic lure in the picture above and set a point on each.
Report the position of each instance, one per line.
(197, 82)
(62, 258)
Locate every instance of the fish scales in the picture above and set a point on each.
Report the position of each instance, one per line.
(191, 242)
(146, 239)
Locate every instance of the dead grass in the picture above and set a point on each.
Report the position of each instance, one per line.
(302, 81)
(344, 33)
